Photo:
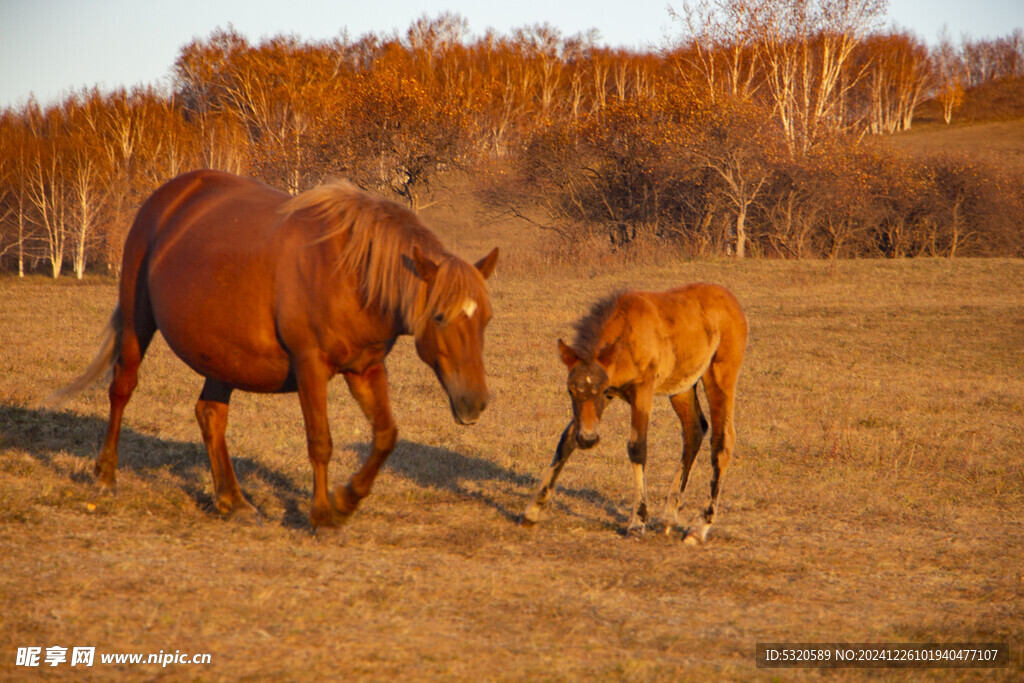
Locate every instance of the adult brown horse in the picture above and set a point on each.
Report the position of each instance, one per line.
(258, 291)
(638, 344)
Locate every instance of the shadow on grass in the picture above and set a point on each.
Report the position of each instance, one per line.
(45, 434)
(445, 470)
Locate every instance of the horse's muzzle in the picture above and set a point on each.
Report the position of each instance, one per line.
(588, 440)
(466, 411)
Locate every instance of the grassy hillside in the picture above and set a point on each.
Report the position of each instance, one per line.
(988, 126)
(1000, 143)
(998, 100)
(876, 495)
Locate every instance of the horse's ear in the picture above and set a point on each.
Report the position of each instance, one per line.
(607, 356)
(569, 356)
(487, 263)
(425, 268)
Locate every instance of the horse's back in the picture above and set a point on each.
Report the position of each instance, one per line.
(710, 306)
(210, 245)
(679, 331)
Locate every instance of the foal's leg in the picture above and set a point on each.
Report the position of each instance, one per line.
(137, 332)
(641, 404)
(566, 445)
(370, 389)
(212, 414)
(720, 386)
(694, 425)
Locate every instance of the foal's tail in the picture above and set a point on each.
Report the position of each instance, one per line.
(101, 365)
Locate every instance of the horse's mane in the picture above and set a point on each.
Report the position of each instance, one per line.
(380, 236)
(588, 328)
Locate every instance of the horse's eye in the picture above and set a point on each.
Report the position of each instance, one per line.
(439, 318)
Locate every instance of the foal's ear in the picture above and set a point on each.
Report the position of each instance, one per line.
(425, 268)
(607, 356)
(487, 263)
(569, 357)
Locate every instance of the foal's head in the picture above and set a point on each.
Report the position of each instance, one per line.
(588, 388)
(450, 336)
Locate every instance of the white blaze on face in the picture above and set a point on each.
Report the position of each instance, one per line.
(469, 307)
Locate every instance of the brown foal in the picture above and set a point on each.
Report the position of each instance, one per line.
(635, 345)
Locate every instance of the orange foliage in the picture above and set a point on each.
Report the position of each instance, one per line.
(714, 143)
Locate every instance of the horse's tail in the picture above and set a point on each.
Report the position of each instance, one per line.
(101, 365)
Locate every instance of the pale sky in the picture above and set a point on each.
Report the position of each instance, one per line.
(49, 47)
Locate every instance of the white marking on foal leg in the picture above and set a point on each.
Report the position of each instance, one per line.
(637, 521)
(698, 531)
(672, 503)
(535, 509)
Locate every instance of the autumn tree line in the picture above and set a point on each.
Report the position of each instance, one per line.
(751, 135)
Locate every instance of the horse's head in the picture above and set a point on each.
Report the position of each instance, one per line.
(450, 339)
(588, 386)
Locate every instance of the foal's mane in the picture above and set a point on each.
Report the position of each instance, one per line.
(588, 328)
(380, 236)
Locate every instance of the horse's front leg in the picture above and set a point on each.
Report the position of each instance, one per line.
(312, 373)
(370, 389)
(566, 445)
(641, 403)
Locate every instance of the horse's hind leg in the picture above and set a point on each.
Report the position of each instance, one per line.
(694, 426)
(212, 414)
(137, 332)
(720, 386)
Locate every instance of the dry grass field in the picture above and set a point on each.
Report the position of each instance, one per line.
(988, 126)
(877, 494)
(999, 143)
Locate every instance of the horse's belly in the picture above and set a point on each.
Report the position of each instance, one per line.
(683, 374)
(227, 354)
(677, 383)
(222, 329)
(237, 366)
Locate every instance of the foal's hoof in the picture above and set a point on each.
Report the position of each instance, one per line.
(107, 486)
(531, 516)
(636, 532)
(696, 535)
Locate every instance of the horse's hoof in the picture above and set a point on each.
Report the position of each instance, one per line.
(245, 513)
(636, 532)
(334, 533)
(107, 487)
(326, 521)
(343, 503)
